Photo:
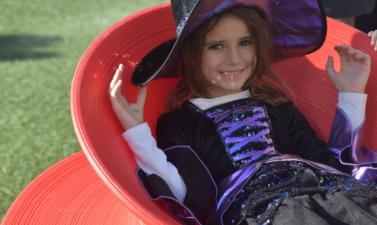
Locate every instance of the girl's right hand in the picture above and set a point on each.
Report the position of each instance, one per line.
(373, 39)
(129, 114)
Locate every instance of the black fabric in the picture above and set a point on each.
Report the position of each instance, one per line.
(367, 22)
(261, 198)
(200, 197)
(188, 126)
(201, 191)
(291, 134)
(347, 8)
(154, 185)
(332, 209)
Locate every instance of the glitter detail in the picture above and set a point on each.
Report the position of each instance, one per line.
(276, 181)
(244, 128)
(182, 10)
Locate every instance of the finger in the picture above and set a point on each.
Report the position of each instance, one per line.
(373, 40)
(117, 75)
(366, 58)
(362, 56)
(330, 68)
(358, 57)
(342, 51)
(115, 78)
(116, 91)
(372, 35)
(141, 96)
(356, 54)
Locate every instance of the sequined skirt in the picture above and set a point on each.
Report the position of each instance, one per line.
(283, 183)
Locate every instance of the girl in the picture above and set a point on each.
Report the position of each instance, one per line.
(236, 150)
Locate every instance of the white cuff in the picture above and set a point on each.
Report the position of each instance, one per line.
(353, 104)
(138, 137)
(152, 160)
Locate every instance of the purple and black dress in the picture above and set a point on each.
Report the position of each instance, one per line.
(247, 162)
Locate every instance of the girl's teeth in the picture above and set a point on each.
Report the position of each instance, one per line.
(230, 73)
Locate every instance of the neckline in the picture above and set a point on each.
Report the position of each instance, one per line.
(206, 103)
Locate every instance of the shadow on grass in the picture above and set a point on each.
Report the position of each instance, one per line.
(24, 47)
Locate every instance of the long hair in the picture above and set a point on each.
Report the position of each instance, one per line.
(264, 84)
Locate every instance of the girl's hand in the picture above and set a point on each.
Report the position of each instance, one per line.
(129, 114)
(355, 67)
(373, 39)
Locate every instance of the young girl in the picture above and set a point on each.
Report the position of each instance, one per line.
(236, 150)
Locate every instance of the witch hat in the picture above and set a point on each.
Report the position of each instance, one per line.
(298, 28)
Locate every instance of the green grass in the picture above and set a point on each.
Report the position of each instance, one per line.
(41, 42)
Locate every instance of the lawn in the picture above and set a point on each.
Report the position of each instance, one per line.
(41, 42)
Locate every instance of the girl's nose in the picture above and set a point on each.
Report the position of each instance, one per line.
(233, 56)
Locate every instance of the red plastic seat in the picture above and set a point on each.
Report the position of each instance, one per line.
(99, 131)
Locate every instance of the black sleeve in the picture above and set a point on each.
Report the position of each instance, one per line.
(201, 193)
(169, 130)
(295, 136)
(189, 127)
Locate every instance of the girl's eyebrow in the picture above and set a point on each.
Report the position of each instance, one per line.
(213, 42)
(222, 41)
(246, 37)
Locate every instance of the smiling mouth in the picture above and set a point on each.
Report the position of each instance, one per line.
(232, 73)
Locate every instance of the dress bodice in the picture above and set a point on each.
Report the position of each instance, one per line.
(244, 128)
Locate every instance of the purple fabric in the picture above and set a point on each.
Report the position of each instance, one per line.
(342, 139)
(347, 144)
(230, 187)
(245, 128)
(366, 173)
(254, 155)
(297, 25)
(341, 133)
(233, 184)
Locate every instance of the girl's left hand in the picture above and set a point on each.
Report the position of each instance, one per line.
(373, 39)
(354, 72)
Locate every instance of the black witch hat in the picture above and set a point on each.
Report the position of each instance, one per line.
(298, 28)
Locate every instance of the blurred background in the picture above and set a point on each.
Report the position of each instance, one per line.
(361, 14)
(41, 42)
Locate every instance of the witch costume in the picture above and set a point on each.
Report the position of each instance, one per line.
(246, 162)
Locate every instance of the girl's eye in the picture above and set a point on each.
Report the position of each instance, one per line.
(215, 46)
(246, 42)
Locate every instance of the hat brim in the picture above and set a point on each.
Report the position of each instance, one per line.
(298, 28)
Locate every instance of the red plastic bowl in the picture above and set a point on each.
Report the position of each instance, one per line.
(99, 131)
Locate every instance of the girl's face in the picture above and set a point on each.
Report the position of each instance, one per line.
(228, 56)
